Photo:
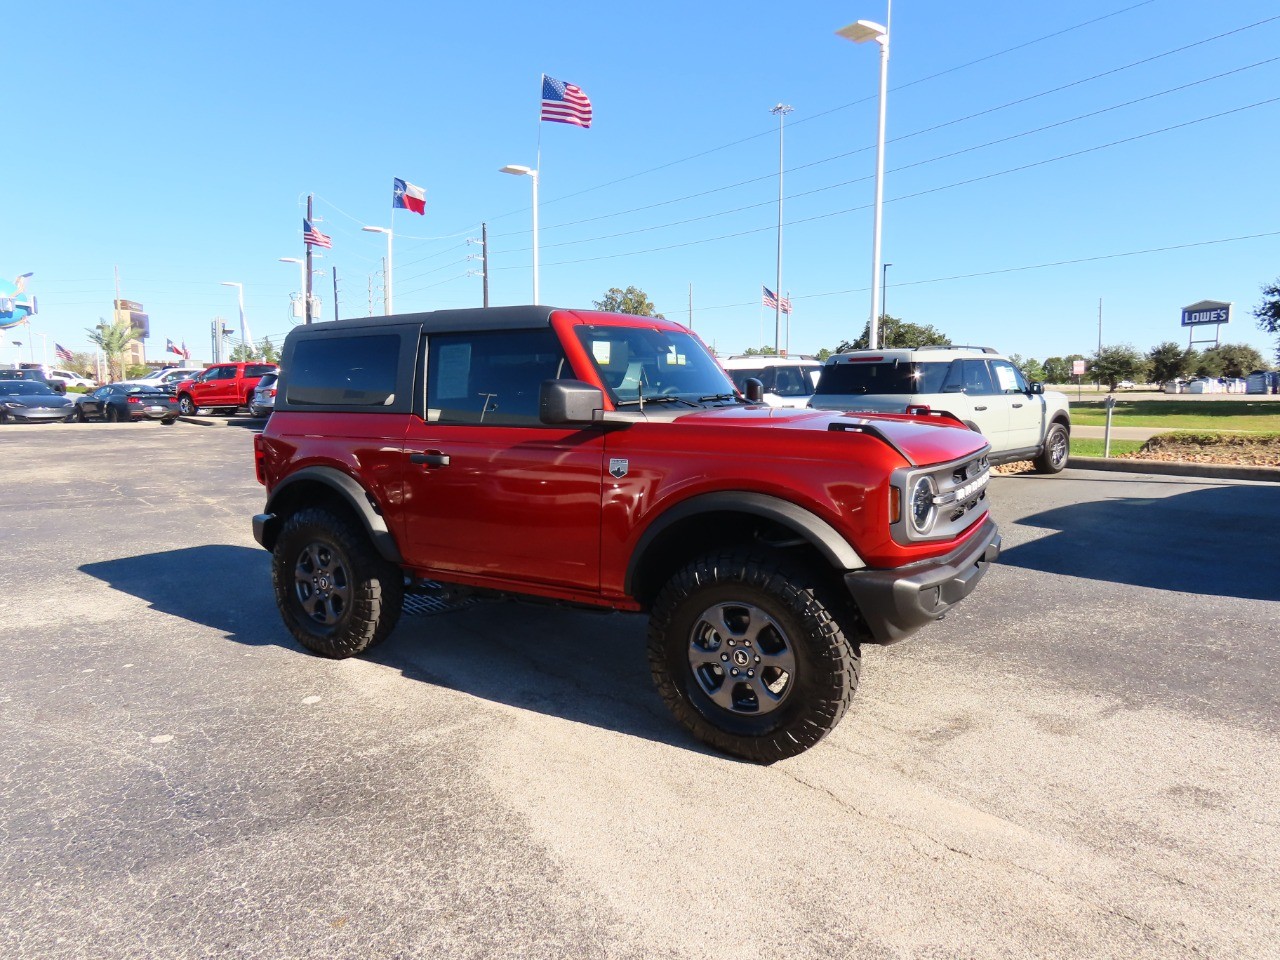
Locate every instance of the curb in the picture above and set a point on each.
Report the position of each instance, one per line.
(1180, 468)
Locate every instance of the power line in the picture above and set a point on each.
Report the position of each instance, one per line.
(920, 193)
(981, 113)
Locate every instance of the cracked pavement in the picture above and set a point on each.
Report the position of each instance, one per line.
(1079, 762)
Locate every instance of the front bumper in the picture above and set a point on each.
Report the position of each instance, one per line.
(42, 414)
(896, 603)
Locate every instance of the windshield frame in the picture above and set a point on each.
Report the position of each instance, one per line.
(627, 359)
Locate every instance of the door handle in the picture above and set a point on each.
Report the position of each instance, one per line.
(979, 408)
(432, 458)
(1017, 406)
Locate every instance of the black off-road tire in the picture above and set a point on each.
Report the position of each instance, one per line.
(337, 596)
(187, 406)
(805, 613)
(1057, 450)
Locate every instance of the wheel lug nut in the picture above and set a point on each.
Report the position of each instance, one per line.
(751, 673)
(724, 657)
(731, 643)
(757, 659)
(734, 671)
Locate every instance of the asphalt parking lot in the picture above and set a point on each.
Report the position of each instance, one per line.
(1079, 762)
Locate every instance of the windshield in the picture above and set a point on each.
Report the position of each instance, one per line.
(886, 377)
(642, 364)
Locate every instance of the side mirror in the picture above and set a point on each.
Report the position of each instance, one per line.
(567, 402)
(754, 390)
(1035, 386)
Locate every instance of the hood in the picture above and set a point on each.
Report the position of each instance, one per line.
(921, 440)
(37, 400)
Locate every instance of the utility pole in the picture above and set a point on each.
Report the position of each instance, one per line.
(307, 293)
(370, 313)
(483, 257)
(484, 260)
(1099, 326)
(780, 111)
(335, 293)
(691, 306)
(386, 289)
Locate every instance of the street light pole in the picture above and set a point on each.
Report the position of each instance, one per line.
(387, 306)
(780, 111)
(861, 32)
(523, 171)
(245, 336)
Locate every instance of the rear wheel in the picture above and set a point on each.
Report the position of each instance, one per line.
(753, 654)
(337, 596)
(110, 415)
(186, 406)
(1057, 450)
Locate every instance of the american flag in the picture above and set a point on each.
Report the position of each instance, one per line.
(565, 103)
(313, 236)
(771, 301)
(62, 353)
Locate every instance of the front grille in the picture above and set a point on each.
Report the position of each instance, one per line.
(960, 498)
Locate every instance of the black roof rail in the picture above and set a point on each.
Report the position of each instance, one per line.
(957, 346)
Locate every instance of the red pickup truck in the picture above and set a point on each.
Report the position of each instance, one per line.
(226, 386)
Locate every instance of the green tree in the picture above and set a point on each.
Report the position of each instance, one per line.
(1267, 311)
(1206, 363)
(1167, 362)
(1110, 365)
(267, 351)
(113, 339)
(898, 333)
(823, 354)
(84, 363)
(1030, 367)
(632, 300)
(1238, 359)
(243, 351)
(1057, 370)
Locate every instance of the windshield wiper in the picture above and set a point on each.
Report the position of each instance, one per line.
(657, 398)
(718, 396)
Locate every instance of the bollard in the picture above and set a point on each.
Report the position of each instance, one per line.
(1106, 436)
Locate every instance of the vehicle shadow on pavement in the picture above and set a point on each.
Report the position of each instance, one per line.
(585, 667)
(1217, 541)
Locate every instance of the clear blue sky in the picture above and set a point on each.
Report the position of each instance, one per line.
(178, 142)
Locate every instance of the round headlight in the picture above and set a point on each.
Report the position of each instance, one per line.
(922, 509)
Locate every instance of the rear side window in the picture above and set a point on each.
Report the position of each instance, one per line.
(258, 369)
(344, 371)
(882, 378)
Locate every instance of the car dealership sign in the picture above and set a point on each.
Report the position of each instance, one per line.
(1206, 311)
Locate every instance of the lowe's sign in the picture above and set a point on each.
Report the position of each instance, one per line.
(1206, 311)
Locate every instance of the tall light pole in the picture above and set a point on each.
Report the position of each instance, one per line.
(861, 32)
(522, 171)
(387, 306)
(302, 280)
(245, 336)
(780, 111)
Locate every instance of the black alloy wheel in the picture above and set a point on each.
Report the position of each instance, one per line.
(337, 596)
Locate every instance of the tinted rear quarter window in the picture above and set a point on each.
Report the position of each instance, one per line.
(258, 369)
(899, 378)
(355, 371)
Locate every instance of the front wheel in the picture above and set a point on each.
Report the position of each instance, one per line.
(186, 406)
(337, 596)
(1057, 450)
(753, 654)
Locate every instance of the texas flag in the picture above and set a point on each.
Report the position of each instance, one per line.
(171, 347)
(406, 196)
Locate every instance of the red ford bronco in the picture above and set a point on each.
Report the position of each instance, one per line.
(607, 461)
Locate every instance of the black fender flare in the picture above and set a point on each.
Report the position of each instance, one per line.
(825, 538)
(352, 493)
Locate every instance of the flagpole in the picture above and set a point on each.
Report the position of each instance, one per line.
(306, 293)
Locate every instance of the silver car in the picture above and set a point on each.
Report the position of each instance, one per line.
(29, 401)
